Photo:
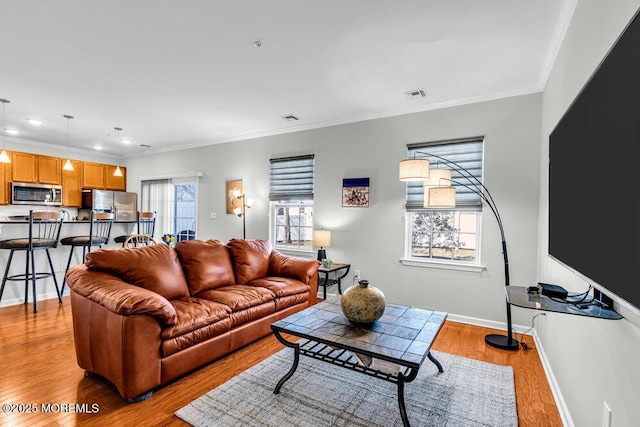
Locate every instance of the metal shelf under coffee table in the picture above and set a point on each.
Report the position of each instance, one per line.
(392, 349)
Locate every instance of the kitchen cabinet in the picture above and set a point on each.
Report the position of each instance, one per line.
(5, 183)
(32, 168)
(116, 182)
(99, 176)
(72, 186)
(49, 170)
(24, 167)
(93, 175)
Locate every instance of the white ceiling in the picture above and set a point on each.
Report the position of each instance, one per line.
(175, 74)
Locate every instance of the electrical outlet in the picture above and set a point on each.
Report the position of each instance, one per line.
(356, 275)
(212, 215)
(606, 415)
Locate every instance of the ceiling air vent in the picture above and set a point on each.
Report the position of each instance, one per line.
(416, 93)
(290, 118)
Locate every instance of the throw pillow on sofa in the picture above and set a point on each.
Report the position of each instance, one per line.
(250, 259)
(156, 268)
(206, 265)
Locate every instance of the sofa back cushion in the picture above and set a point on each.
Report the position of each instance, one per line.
(250, 259)
(206, 265)
(156, 268)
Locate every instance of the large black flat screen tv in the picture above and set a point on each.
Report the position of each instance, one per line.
(594, 175)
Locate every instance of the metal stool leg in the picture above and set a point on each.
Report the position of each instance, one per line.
(26, 280)
(33, 280)
(64, 281)
(6, 273)
(53, 274)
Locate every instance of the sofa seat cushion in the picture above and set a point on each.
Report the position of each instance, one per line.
(252, 313)
(207, 265)
(250, 258)
(281, 286)
(291, 300)
(198, 320)
(156, 268)
(239, 297)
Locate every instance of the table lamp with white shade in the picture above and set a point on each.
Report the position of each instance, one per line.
(322, 238)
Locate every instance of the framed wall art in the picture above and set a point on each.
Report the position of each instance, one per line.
(355, 192)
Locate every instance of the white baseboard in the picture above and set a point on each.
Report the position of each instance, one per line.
(565, 416)
(16, 301)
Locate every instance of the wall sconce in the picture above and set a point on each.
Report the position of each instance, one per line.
(245, 203)
(322, 238)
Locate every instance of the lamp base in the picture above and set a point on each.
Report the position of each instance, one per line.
(501, 341)
(322, 254)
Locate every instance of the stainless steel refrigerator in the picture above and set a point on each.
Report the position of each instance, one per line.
(123, 204)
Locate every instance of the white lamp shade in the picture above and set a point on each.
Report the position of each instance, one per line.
(438, 178)
(248, 202)
(414, 170)
(67, 165)
(441, 197)
(4, 157)
(237, 211)
(322, 238)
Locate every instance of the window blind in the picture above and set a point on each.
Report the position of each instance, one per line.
(291, 178)
(467, 153)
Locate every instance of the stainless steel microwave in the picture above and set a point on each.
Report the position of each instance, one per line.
(23, 193)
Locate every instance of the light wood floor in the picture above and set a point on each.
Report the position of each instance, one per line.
(37, 366)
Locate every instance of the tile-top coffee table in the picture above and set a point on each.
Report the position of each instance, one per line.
(392, 349)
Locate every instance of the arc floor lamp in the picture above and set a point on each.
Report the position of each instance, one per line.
(440, 194)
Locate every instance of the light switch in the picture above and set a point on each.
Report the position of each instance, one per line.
(212, 215)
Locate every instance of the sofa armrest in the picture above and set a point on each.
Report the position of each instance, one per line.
(301, 269)
(118, 296)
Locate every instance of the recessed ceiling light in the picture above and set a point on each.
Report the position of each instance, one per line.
(290, 118)
(35, 122)
(97, 147)
(125, 141)
(257, 43)
(12, 131)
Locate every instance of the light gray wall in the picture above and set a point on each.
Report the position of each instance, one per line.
(593, 360)
(372, 239)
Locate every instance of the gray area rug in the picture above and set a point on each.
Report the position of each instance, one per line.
(468, 393)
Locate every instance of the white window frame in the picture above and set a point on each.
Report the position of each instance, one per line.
(451, 264)
(273, 206)
(291, 182)
(409, 260)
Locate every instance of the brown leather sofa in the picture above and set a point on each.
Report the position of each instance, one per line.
(145, 316)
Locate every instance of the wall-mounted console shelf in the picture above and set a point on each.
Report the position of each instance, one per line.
(518, 296)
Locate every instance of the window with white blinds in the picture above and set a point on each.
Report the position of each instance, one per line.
(291, 203)
(465, 153)
(291, 178)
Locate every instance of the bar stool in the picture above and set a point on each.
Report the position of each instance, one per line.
(44, 233)
(146, 225)
(138, 240)
(99, 232)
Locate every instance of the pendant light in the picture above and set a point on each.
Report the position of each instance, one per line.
(4, 157)
(118, 172)
(67, 165)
